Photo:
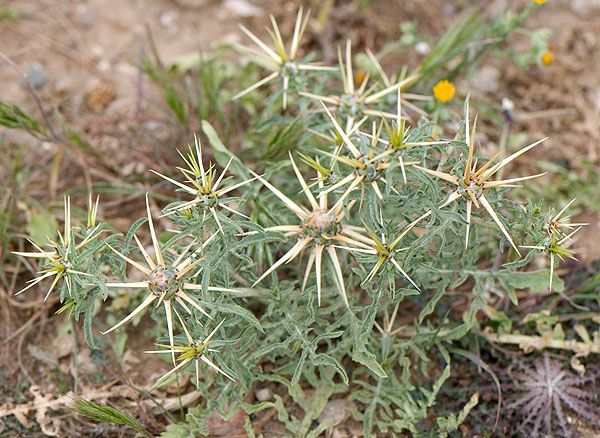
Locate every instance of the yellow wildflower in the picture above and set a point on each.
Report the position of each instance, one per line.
(539, 2)
(546, 58)
(443, 91)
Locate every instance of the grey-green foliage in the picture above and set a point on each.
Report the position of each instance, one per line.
(330, 348)
(277, 334)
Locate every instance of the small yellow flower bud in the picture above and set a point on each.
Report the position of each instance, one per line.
(546, 58)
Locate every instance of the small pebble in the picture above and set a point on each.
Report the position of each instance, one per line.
(97, 51)
(85, 366)
(487, 79)
(192, 3)
(152, 126)
(422, 48)
(85, 16)
(585, 7)
(335, 411)
(36, 74)
(130, 358)
(263, 394)
(63, 345)
(593, 97)
(448, 9)
(169, 18)
(104, 65)
(99, 94)
(243, 8)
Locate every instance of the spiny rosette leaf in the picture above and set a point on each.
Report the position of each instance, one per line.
(540, 394)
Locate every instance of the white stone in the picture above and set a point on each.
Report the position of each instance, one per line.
(243, 8)
(263, 394)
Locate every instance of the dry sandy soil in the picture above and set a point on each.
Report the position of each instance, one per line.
(89, 53)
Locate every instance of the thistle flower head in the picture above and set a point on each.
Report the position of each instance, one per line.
(387, 252)
(281, 61)
(559, 233)
(397, 133)
(59, 258)
(472, 183)
(165, 280)
(355, 103)
(208, 195)
(558, 224)
(398, 130)
(320, 226)
(556, 249)
(367, 168)
(195, 351)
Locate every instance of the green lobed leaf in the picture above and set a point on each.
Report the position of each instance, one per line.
(536, 281)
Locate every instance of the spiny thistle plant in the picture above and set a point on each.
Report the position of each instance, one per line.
(472, 183)
(166, 280)
(63, 260)
(208, 195)
(283, 62)
(556, 240)
(353, 103)
(321, 226)
(394, 238)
